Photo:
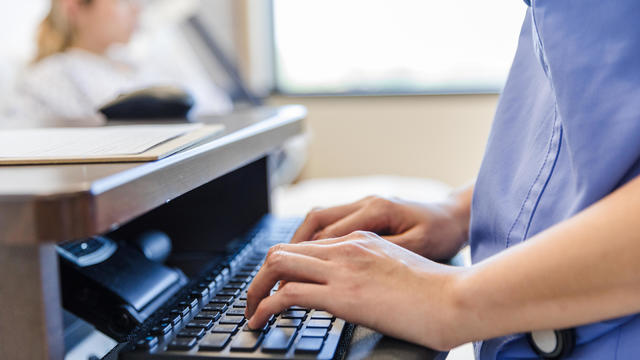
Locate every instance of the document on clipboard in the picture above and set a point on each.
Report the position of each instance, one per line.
(125, 143)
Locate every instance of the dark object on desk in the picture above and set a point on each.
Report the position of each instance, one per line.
(113, 286)
(155, 245)
(553, 344)
(158, 102)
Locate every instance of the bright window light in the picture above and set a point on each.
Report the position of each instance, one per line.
(394, 46)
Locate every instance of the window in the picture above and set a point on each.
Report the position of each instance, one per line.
(399, 46)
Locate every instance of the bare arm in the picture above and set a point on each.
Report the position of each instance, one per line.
(582, 270)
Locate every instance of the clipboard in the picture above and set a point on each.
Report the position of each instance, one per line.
(140, 143)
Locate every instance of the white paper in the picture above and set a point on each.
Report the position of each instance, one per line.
(87, 142)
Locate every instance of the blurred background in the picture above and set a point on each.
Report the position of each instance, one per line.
(404, 88)
(401, 94)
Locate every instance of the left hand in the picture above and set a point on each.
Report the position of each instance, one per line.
(363, 279)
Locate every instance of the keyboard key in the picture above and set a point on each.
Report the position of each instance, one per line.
(309, 345)
(184, 304)
(245, 275)
(294, 314)
(148, 342)
(234, 286)
(314, 332)
(214, 342)
(296, 307)
(215, 307)
(246, 341)
(211, 285)
(240, 304)
(210, 315)
(225, 328)
(235, 312)
(182, 343)
(193, 303)
(279, 339)
(173, 319)
(319, 323)
(240, 279)
(208, 284)
(181, 311)
(204, 324)
(191, 333)
(222, 300)
(288, 322)
(163, 328)
(247, 328)
(232, 320)
(322, 315)
(233, 293)
(200, 293)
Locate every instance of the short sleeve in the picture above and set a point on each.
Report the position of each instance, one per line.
(592, 51)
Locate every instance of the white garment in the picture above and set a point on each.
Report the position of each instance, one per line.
(66, 89)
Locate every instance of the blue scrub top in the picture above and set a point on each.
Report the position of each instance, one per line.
(566, 133)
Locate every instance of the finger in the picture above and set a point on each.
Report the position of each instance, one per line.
(318, 219)
(311, 296)
(400, 239)
(316, 248)
(282, 265)
(333, 241)
(361, 219)
(307, 248)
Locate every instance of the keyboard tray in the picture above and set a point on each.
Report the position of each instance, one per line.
(210, 323)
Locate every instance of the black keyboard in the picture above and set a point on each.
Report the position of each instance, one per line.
(211, 323)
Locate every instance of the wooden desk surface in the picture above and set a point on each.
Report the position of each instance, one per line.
(52, 203)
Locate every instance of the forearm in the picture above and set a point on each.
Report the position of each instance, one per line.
(582, 270)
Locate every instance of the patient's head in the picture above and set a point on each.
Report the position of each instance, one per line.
(91, 25)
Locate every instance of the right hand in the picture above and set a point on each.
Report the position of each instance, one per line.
(365, 280)
(435, 231)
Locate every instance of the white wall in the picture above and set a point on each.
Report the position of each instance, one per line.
(435, 136)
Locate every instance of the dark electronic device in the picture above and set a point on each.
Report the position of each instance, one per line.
(158, 102)
(113, 286)
(155, 245)
(552, 344)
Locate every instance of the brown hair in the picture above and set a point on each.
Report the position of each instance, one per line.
(55, 33)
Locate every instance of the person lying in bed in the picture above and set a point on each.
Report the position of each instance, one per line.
(76, 69)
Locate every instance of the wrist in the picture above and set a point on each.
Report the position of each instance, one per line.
(450, 230)
(451, 319)
(443, 307)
